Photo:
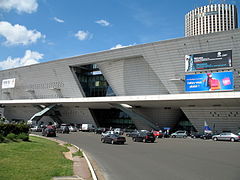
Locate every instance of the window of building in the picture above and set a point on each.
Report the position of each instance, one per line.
(92, 81)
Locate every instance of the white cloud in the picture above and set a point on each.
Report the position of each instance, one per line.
(30, 57)
(121, 46)
(18, 34)
(58, 20)
(103, 22)
(83, 35)
(27, 6)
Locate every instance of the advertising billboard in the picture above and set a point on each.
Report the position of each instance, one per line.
(221, 81)
(211, 60)
(8, 83)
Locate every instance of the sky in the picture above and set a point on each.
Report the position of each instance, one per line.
(35, 31)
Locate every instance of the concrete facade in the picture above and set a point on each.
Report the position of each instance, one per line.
(148, 69)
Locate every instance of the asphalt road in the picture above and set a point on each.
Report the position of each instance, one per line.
(167, 159)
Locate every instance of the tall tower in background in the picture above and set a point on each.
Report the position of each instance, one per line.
(211, 18)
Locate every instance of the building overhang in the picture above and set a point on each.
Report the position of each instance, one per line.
(225, 99)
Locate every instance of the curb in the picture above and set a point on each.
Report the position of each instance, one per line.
(93, 174)
(88, 162)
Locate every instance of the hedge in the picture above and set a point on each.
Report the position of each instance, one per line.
(16, 129)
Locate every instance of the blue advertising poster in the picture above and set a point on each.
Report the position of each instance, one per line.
(221, 81)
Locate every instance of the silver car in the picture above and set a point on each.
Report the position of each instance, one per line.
(72, 129)
(226, 136)
(179, 134)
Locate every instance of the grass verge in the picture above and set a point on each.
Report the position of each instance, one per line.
(78, 153)
(39, 159)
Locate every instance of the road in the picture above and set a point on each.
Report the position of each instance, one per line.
(167, 159)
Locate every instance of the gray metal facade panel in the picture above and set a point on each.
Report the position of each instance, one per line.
(160, 116)
(20, 113)
(112, 71)
(75, 114)
(218, 118)
(166, 59)
(137, 70)
(42, 79)
(139, 78)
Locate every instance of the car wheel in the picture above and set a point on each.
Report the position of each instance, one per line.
(232, 139)
(103, 141)
(112, 142)
(215, 139)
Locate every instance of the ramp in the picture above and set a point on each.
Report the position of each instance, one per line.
(36, 117)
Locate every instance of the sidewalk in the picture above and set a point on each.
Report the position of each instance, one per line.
(81, 169)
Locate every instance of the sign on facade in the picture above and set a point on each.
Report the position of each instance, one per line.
(211, 60)
(8, 83)
(221, 81)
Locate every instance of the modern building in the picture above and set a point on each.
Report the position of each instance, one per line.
(165, 84)
(211, 18)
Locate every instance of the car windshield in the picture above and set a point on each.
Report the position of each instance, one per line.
(114, 135)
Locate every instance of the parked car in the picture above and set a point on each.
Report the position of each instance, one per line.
(113, 139)
(132, 134)
(118, 131)
(158, 134)
(100, 130)
(49, 131)
(179, 134)
(107, 133)
(202, 135)
(226, 136)
(206, 136)
(64, 128)
(144, 137)
(72, 129)
(36, 129)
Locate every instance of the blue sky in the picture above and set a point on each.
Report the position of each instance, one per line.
(33, 31)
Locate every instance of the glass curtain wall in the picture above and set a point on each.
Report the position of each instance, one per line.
(114, 118)
(92, 81)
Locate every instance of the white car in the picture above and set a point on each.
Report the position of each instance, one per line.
(36, 129)
(118, 131)
(107, 133)
(226, 136)
(72, 129)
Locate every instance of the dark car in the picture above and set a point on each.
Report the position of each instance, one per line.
(132, 133)
(144, 137)
(113, 139)
(64, 128)
(202, 136)
(100, 130)
(206, 136)
(49, 131)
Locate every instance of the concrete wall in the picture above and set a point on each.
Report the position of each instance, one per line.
(145, 69)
